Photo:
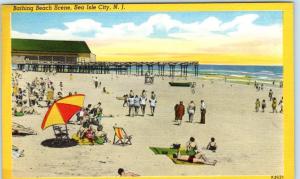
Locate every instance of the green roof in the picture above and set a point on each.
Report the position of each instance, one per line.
(49, 46)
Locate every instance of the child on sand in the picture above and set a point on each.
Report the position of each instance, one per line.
(263, 105)
(257, 105)
(212, 145)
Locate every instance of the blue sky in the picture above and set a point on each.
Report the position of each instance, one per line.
(38, 22)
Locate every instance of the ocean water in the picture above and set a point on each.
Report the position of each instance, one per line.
(256, 72)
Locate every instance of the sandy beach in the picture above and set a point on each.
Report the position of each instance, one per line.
(249, 142)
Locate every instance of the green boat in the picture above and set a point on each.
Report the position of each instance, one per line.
(181, 84)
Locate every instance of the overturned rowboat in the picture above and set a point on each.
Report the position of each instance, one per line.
(181, 84)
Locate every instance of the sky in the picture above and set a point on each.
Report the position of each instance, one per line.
(236, 37)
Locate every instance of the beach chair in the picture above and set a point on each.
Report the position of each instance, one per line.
(120, 137)
(61, 135)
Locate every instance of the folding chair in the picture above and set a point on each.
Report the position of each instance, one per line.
(61, 135)
(120, 137)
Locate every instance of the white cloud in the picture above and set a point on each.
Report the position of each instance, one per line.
(208, 35)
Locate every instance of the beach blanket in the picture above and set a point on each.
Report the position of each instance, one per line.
(169, 153)
(85, 141)
(18, 114)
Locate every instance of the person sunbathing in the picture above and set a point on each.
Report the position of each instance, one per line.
(122, 173)
(193, 154)
(18, 110)
(198, 158)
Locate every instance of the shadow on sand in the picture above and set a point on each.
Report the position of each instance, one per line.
(54, 143)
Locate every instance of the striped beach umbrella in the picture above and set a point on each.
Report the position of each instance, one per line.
(62, 110)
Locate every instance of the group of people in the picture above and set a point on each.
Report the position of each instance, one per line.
(194, 153)
(89, 119)
(262, 104)
(36, 94)
(97, 82)
(258, 86)
(191, 109)
(136, 102)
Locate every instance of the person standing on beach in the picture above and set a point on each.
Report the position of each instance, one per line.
(175, 110)
(131, 105)
(144, 93)
(191, 110)
(153, 95)
(193, 86)
(257, 105)
(262, 86)
(131, 93)
(143, 100)
(270, 94)
(125, 103)
(274, 105)
(61, 86)
(203, 111)
(136, 105)
(281, 105)
(263, 105)
(180, 110)
(96, 82)
(152, 102)
(99, 83)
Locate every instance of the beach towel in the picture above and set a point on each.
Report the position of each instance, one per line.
(18, 114)
(86, 141)
(169, 153)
